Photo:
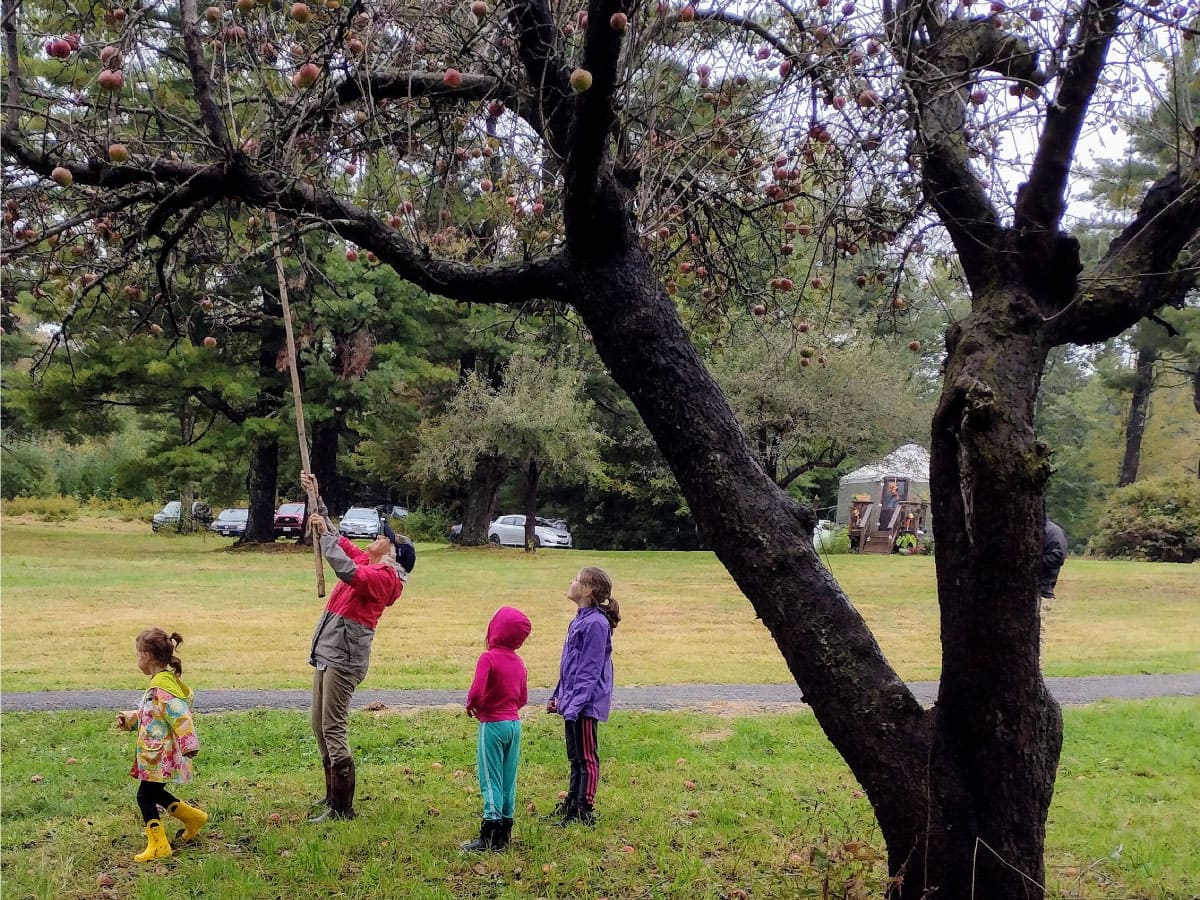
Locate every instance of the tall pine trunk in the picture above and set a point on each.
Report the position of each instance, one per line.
(262, 476)
(261, 480)
(1139, 414)
(326, 434)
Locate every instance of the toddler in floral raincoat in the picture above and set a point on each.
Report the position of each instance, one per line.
(166, 742)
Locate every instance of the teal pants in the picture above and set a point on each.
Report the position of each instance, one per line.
(499, 752)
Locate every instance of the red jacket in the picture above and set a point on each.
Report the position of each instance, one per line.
(500, 686)
(371, 590)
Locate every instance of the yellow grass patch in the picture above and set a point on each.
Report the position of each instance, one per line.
(74, 597)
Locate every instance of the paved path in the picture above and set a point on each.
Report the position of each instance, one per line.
(1069, 691)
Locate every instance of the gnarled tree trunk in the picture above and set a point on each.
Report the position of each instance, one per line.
(480, 505)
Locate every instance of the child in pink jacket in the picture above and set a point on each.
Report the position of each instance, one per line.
(495, 699)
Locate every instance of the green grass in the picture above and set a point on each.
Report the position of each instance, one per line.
(76, 594)
(776, 807)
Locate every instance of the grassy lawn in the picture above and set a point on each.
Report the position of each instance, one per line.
(692, 806)
(75, 594)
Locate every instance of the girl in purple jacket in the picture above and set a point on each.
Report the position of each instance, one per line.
(583, 694)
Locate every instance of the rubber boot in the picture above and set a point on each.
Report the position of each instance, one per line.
(321, 808)
(503, 834)
(565, 812)
(341, 794)
(584, 814)
(157, 845)
(193, 820)
(486, 839)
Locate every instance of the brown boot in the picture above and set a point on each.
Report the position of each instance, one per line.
(321, 807)
(341, 795)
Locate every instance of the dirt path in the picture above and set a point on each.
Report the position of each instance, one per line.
(733, 698)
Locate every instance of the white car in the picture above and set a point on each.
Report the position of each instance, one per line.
(509, 531)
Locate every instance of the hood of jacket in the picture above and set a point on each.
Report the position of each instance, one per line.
(509, 628)
(172, 684)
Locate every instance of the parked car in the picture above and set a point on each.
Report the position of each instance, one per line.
(231, 522)
(399, 512)
(288, 520)
(360, 522)
(509, 531)
(169, 515)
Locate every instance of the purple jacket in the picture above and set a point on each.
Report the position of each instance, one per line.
(585, 675)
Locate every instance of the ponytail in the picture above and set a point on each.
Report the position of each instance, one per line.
(599, 587)
(161, 647)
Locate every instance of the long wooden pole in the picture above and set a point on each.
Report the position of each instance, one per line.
(293, 369)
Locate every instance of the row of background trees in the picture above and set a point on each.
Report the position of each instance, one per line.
(458, 412)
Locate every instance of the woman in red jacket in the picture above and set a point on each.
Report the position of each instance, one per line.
(368, 583)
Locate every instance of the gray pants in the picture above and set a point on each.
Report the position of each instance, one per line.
(332, 692)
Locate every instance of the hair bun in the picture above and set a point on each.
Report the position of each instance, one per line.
(176, 638)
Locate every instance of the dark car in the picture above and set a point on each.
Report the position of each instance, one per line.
(288, 520)
(360, 522)
(168, 516)
(231, 522)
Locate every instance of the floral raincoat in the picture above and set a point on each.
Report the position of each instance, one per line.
(166, 734)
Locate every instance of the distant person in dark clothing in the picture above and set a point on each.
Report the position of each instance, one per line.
(1054, 552)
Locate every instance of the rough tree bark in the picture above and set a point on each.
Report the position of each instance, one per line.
(529, 504)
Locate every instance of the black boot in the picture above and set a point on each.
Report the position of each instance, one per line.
(565, 812)
(322, 806)
(341, 793)
(584, 814)
(503, 834)
(580, 811)
(487, 837)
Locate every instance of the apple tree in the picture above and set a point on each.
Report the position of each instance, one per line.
(638, 167)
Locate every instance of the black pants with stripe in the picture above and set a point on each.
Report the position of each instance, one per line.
(583, 753)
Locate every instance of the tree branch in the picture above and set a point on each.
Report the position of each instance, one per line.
(498, 284)
(537, 34)
(586, 213)
(1142, 270)
(210, 110)
(1040, 201)
(938, 74)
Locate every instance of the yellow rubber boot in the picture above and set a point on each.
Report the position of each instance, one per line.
(193, 819)
(157, 845)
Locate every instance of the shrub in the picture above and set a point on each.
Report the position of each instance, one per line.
(838, 542)
(50, 509)
(1156, 520)
(121, 508)
(424, 524)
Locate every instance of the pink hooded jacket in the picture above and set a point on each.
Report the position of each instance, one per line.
(500, 686)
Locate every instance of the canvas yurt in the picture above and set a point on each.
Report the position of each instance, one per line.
(903, 474)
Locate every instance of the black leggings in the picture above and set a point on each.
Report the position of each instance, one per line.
(151, 795)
